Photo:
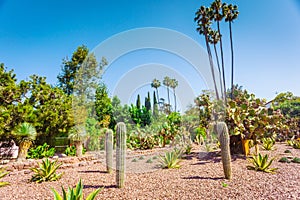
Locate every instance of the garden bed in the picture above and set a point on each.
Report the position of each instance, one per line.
(200, 177)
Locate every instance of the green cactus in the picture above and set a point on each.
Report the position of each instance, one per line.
(221, 129)
(109, 149)
(121, 154)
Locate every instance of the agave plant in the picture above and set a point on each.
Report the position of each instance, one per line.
(268, 143)
(170, 160)
(25, 133)
(75, 193)
(261, 163)
(296, 144)
(3, 173)
(46, 171)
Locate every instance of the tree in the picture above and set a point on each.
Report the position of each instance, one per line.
(156, 84)
(217, 16)
(230, 12)
(148, 102)
(203, 22)
(173, 85)
(166, 82)
(103, 106)
(138, 102)
(25, 134)
(69, 69)
(155, 106)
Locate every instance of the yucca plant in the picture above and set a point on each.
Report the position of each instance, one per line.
(25, 133)
(75, 193)
(296, 144)
(46, 171)
(268, 143)
(170, 160)
(261, 163)
(3, 173)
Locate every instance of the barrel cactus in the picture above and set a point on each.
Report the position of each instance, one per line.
(221, 129)
(120, 154)
(109, 149)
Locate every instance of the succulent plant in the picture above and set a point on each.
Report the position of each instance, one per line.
(120, 154)
(46, 171)
(296, 144)
(261, 163)
(109, 150)
(268, 143)
(75, 193)
(134, 160)
(221, 129)
(287, 151)
(284, 160)
(296, 160)
(3, 173)
(170, 160)
(149, 160)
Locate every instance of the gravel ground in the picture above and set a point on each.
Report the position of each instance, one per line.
(200, 177)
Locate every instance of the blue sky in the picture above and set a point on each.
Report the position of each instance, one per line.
(36, 35)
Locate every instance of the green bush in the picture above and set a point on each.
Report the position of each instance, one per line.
(75, 193)
(296, 160)
(284, 160)
(261, 163)
(71, 150)
(46, 171)
(41, 151)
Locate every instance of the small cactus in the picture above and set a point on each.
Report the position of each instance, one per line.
(109, 149)
(221, 129)
(120, 154)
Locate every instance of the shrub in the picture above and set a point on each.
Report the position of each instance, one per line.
(170, 160)
(71, 150)
(46, 171)
(75, 193)
(284, 160)
(296, 160)
(287, 151)
(3, 173)
(41, 151)
(268, 143)
(261, 163)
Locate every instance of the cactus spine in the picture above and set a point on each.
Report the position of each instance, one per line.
(120, 154)
(222, 131)
(109, 149)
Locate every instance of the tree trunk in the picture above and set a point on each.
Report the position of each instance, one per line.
(222, 60)
(23, 149)
(219, 69)
(79, 148)
(232, 60)
(175, 100)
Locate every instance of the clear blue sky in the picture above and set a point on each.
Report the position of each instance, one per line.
(36, 35)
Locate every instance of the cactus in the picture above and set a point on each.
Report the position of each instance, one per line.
(222, 131)
(109, 149)
(120, 154)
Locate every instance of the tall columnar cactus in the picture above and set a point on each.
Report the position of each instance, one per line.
(222, 131)
(109, 149)
(120, 154)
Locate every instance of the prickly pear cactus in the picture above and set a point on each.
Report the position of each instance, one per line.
(109, 150)
(120, 154)
(222, 131)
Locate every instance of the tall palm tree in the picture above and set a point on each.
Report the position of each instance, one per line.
(173, 85)
(25, 134)
(156, 84)
(166, 82)
(214, 38)
(217, 16)
(231, 13)
(203, 21)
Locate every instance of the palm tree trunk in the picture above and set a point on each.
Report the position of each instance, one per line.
(232, 60)
(23, 149)
(211, 65)
(219, 69)
(79, 148)
(157, 97)
(222, 60)
(168, 95)
(175, 100)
